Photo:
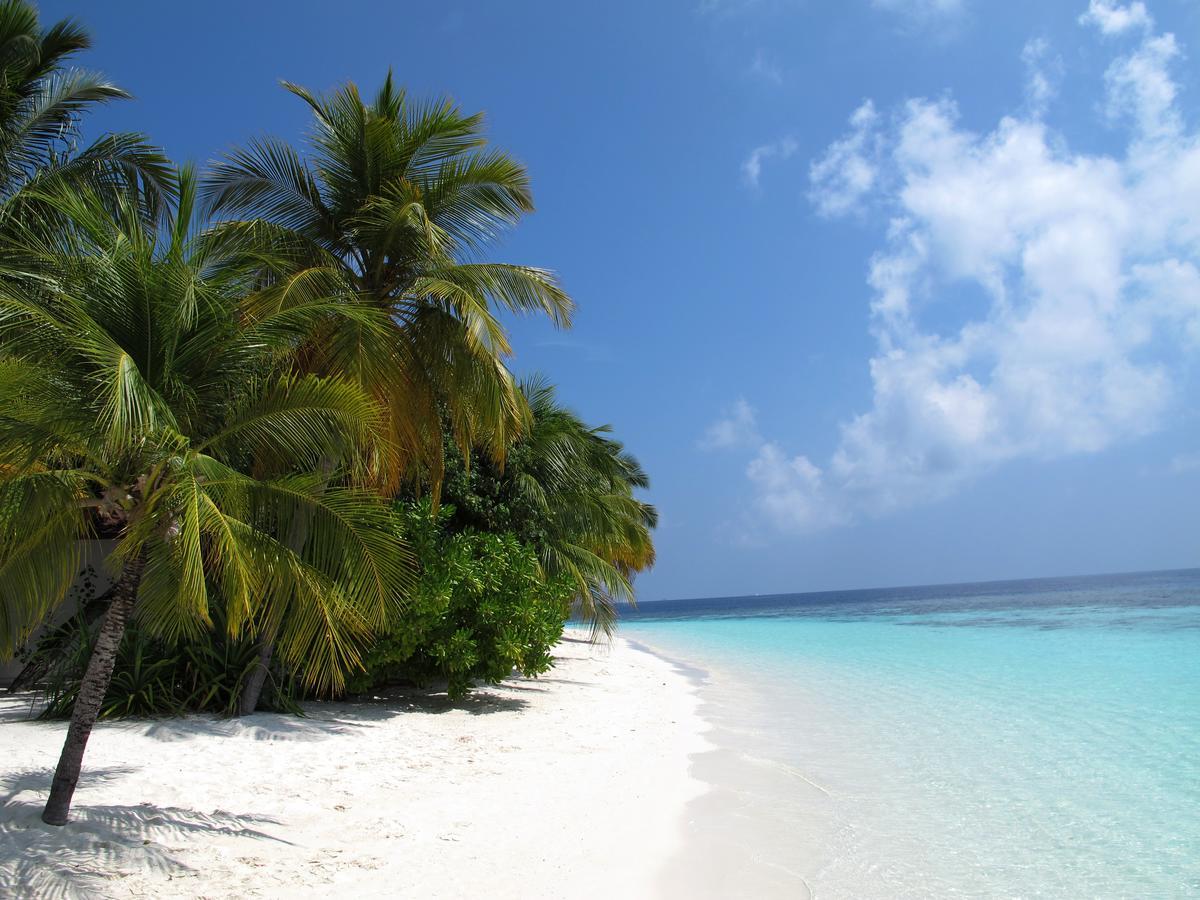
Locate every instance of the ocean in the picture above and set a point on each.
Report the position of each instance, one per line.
(1035, 738)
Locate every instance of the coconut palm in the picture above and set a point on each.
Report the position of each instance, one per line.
(41, 105)
(140, 402)
(582, 483)
(391, 211)
(568, 489)
(392, 208)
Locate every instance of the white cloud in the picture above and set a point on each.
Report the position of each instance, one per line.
(764, 68)
(1029, 301)
(1043, 73)
(1112, 18)
(737, 427)
(1140, 88)
(791, 491)
(848, 170)
(752, 167)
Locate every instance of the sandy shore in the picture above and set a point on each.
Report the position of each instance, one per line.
(571, 785)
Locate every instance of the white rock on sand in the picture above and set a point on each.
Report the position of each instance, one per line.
(571, 785)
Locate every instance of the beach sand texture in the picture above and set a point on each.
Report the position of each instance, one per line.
(571, 785)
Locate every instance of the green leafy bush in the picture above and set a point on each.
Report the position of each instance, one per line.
(568, 490)
(153, 677)
(481, 608)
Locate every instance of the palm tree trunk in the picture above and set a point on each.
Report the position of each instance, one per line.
(59, 644)
(92, 691)
(252, 689)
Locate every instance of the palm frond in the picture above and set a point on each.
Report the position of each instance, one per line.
(299, 421)
(267, 178)
(41, 525)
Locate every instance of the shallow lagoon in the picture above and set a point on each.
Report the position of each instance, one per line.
(1025, 739)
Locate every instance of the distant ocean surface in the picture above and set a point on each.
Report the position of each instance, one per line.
(1032, 738)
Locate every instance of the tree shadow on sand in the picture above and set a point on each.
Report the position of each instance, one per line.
(383, 703)
(101, 843)
(320, 720)
(533, 684)
(19, 707)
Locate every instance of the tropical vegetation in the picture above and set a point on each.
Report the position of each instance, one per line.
(279, 393)
(567, 490)
(42, 101)
(481, 608)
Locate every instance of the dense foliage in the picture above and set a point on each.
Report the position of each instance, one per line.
(42, 100)
(390, 210)
(567, 490)
(251, 382)
(153, 676)
(137, 399)
(140, 401)
(393, 207)
(481, 608)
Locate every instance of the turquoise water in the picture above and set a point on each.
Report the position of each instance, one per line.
(1029, 739)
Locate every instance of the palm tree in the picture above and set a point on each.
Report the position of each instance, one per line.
(138, 401)
(568, 489)
(391, 211)
(41, 105)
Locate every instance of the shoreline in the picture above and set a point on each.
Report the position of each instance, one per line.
(733, 845)
(578, 783)
(1012, 746)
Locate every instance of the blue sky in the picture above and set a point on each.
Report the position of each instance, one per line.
(881, 292)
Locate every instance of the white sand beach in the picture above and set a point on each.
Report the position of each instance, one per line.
(571, 785)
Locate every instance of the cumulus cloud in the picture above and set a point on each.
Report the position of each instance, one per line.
(737, 427)
(1043, 72)
(791, 490)
(1140, 88)
(1112, 18)
(752, 167)
(847, 172)
(1029, 301)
